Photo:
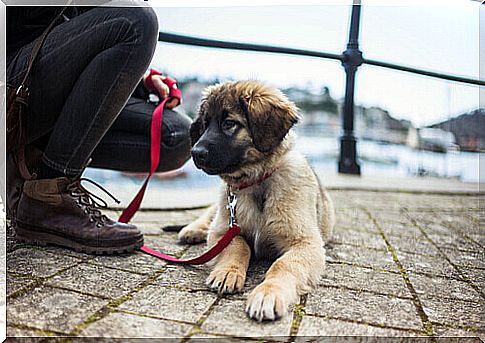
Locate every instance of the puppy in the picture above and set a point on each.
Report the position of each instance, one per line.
(243, 134)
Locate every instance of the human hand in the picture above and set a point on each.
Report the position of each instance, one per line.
(162, 89)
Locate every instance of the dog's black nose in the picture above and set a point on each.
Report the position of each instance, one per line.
(199, 154)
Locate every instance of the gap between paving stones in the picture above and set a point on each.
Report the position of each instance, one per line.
(463, 276)
(427, 325)
(99, 296)
(298, 314)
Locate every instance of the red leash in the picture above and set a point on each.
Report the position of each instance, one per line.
(205, 257)
(155, 139)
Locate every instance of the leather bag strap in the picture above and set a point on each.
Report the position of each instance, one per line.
(40, 42)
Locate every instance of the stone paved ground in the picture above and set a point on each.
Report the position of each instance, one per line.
(400, 265)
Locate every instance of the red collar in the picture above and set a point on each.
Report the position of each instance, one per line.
(246, 184)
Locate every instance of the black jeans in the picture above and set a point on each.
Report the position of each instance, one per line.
(81, 104)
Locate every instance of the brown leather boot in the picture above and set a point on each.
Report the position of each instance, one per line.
(62, 212)
(15, 181)
(13, 187)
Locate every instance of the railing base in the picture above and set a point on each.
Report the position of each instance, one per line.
(348, 156)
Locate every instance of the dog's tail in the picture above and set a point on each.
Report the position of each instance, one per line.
(173, 228)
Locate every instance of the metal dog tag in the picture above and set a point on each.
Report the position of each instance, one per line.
(231, 206)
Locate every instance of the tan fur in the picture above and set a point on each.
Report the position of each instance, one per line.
(296, 221)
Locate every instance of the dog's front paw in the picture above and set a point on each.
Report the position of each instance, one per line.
(268, 301)
(226, 280)
(193, 234)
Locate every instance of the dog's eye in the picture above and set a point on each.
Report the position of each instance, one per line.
(228, 124)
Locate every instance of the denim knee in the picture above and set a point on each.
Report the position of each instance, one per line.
(147, 24)
(142, 29)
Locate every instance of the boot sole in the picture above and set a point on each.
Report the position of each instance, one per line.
(33, 235)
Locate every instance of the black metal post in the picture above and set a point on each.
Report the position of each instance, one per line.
(352, 59)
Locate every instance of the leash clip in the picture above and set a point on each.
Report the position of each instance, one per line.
(231, 206)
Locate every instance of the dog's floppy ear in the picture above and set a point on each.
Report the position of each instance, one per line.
(269, 114)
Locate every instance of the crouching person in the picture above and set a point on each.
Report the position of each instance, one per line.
(87, 105)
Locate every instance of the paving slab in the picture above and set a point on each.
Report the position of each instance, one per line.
(417, 244)
(442, 287)
(428, 224)
(170, 303)
(359, 238)
(399, 228)
(137, 262)
(201, 337)
(60, 251)
(478, 238)
(227, 312)
(380, 310)
(184, 277)
(316, 326)
(465, 220)
(469, 259)
(455, 312)
(36, 262)
(366, 279)
(123, 325)
(454, 241)
(354, 218)
(195, 250)
(475, 276)
(97, 280)
(362, 256)
(446, 331)
(52, 309)
(23, 335)
(168, 244)
(15, 284)
(423, 264)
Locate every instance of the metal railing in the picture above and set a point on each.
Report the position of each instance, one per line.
(351, 59)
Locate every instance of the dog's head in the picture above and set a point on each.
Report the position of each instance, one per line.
(239, 123)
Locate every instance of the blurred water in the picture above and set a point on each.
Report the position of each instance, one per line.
(376, 159)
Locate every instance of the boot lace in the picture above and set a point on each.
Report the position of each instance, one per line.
(90, 201)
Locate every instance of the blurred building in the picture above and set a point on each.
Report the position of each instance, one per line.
(431, 139)
(376, 124)
(468, 128)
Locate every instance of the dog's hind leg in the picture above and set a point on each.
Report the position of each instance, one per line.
(196, 232)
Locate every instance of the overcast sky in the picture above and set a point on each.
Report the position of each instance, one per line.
(436, 37)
